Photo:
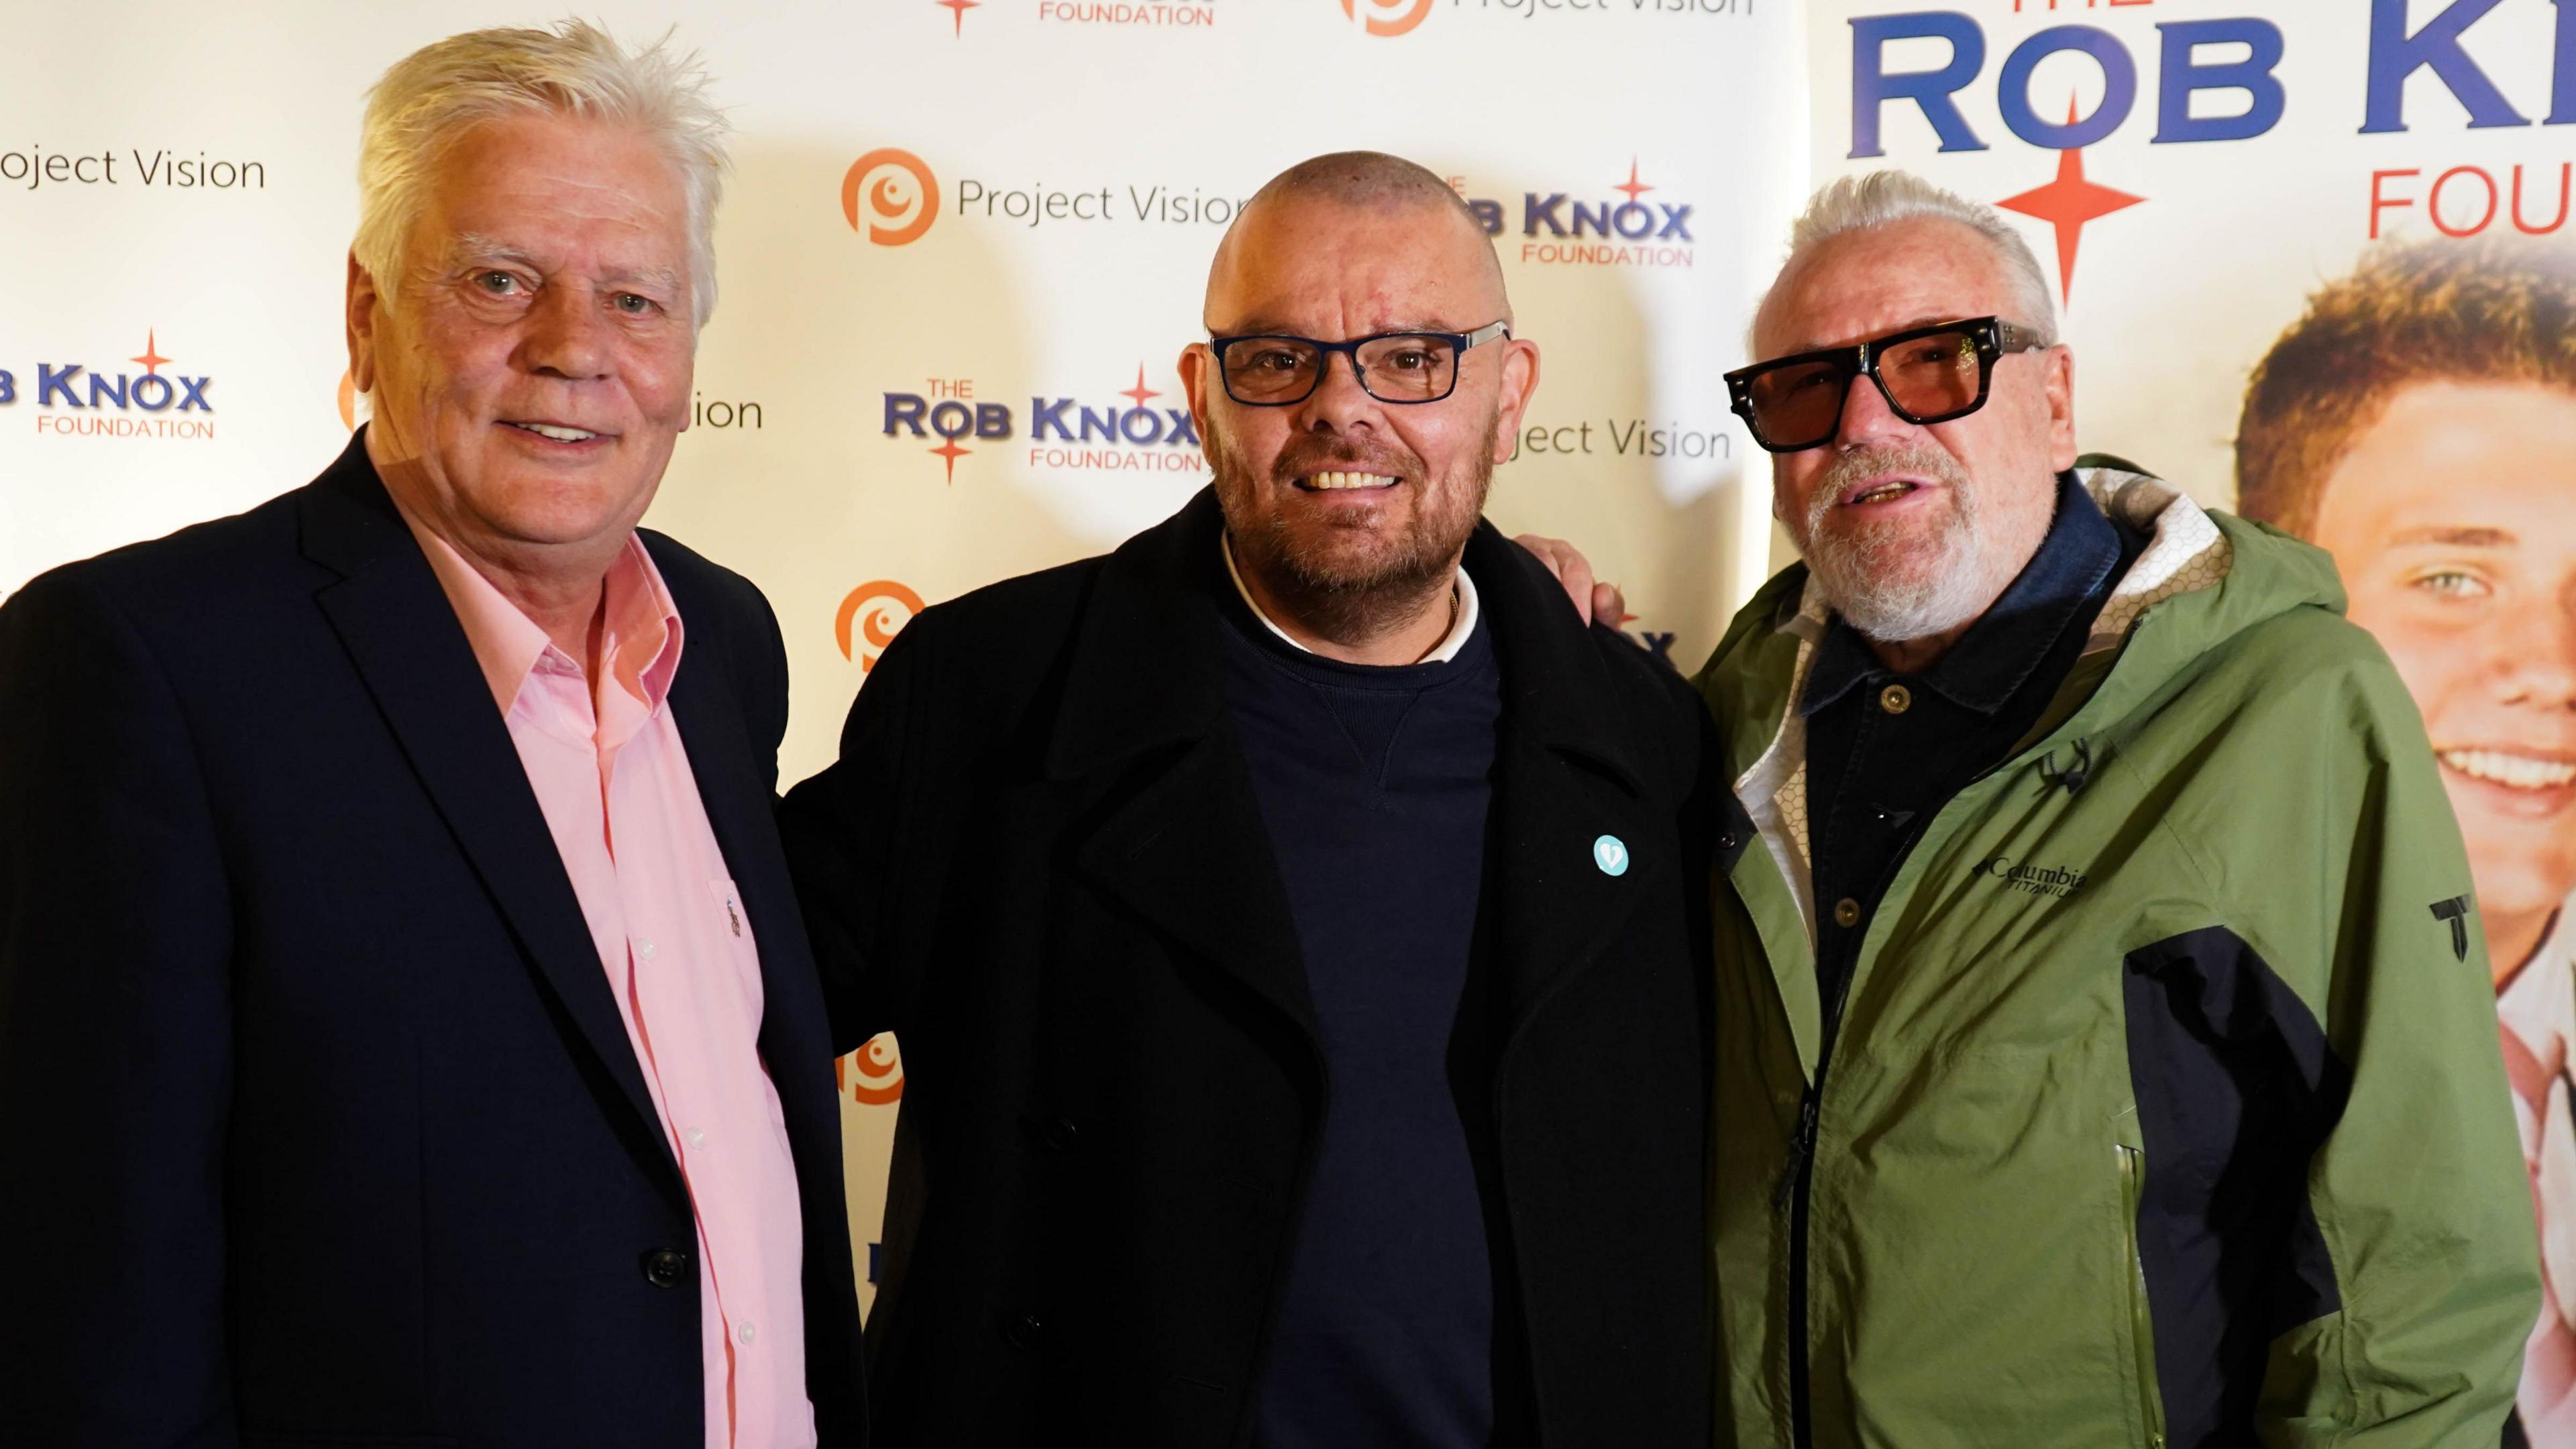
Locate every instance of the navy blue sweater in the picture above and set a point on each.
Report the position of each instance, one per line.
(1374, 784)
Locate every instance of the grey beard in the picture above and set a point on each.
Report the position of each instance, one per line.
(1864, 579)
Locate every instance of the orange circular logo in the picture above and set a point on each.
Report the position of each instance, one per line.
(894, 194)
(1388, 17)
(872, 1075)
(888, 607)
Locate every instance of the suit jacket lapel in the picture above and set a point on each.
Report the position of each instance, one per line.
(1183, 843)
(794, 1041)
(1573, 848)
(404, 639)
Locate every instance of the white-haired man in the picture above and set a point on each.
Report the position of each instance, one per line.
(409, 1032)
(2111, 1061)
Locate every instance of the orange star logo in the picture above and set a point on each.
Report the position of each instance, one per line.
(2066, 204)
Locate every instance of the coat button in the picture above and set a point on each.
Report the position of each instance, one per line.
(666, 1267)
(1062, 1134)
(1024, 1330)
(1896, 699)
(1846, 912)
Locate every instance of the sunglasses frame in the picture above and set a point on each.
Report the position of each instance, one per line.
(1992, 336)
(1462, 342)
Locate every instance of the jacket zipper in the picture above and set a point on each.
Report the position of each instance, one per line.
(1795, 1181)
(2142, 1328)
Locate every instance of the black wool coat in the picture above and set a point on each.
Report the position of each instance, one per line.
(1040, 862)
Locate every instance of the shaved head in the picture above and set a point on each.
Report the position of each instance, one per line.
(1375, 183)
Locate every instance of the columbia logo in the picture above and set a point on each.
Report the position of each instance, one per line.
(2038, 880)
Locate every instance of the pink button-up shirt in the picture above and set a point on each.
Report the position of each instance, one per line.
(605, 759)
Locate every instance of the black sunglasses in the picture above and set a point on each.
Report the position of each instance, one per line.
(1273, 370)
(1927, 374)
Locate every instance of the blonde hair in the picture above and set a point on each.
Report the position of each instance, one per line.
(438, 92)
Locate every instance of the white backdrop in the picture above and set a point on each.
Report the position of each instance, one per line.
(176, 200)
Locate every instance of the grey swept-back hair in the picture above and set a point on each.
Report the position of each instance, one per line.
(438, 92)
(1883, 198)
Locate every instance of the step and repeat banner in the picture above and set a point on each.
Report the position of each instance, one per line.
(2317, 265)
(961, 250)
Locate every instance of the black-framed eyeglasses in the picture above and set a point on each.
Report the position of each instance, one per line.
(1272, 370)
(1927, 374)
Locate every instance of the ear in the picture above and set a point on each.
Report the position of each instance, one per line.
(1520, 380)
(361, 308)
(1198, 368)
(2059, 382)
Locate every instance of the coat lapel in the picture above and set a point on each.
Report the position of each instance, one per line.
(1183, 843)
(1567, 793)
(403, 637)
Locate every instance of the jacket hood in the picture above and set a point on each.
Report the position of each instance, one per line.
(2204, 577)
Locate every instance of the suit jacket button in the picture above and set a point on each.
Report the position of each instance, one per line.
(666, 1267)
(1062, 1134)
(1024, 1330)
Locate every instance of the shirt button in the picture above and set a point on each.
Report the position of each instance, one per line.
(697, 1137)
(1846, 912)
(1896, 699)
(644, 949)
(750, 1332)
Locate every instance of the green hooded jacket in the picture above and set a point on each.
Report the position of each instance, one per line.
(2164, 1104)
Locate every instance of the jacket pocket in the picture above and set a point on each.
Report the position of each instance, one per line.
(2142, 1328)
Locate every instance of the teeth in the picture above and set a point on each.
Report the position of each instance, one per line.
(2520, 772)
(1348, 480)
(560, 435)
(1886, 491)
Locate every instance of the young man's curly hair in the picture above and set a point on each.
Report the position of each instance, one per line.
(2437, 311)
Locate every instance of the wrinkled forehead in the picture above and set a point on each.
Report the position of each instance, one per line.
(1883, 279)
(1324, 269)
(520, 181)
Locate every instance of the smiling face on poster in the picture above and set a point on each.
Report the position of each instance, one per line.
(2419, 423)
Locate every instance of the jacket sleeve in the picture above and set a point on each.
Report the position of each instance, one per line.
(849, 833)
(115, 1039)
(2419, 1190)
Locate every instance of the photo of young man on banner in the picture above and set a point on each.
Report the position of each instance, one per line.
(2419, 424)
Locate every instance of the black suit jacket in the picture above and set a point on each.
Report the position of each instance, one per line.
(1041, 863)
(321, 1123)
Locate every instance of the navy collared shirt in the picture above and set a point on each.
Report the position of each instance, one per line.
(1886, 750)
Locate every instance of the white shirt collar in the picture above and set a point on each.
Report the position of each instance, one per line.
(1459, 629)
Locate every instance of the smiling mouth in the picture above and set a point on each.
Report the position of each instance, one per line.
(2510, 769)
(557, 432)
(1338, 481)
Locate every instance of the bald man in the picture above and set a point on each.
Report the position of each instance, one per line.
(1293, 921)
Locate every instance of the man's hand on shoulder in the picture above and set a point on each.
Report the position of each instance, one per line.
(1597, 602)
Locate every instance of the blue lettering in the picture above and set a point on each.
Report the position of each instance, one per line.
(1489, 215)
(1873, 87)
(98, 389)
(952, 420)
(2395, 55)
(1152, 420)
(2562, 72)
(1105, 420)
(2119, 87)
(1589, 222)
(50, 382)
(8, 388)
(1535, 213)
(992, 420)
(903, 409)
(1183, 430)
(148, 379)
(1676, 222)
(2181, 77)
(1049, 415)
(194, 398)
(1645, 221)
